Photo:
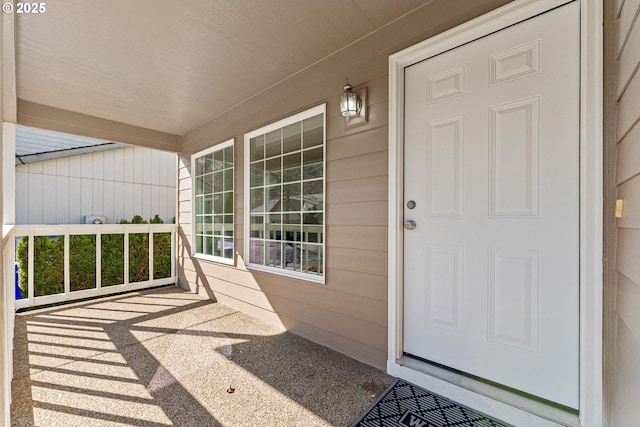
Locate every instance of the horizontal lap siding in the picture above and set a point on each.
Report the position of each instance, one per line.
(628, 150)
(624, 410)
(349, 312)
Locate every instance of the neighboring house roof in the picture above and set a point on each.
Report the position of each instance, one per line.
(33, 145)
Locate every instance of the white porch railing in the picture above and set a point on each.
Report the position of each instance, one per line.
(133, 277)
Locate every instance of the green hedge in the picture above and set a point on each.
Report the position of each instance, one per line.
(49, 260)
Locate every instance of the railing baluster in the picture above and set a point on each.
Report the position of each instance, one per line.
(98, 260)
(174, 255)
(67, 273)
(126, 257)
(151, 255)
(30, 272)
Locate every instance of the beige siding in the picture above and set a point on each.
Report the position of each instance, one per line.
(628, 150)
(622, 332)
(349, 312)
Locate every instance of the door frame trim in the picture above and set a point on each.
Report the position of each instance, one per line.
(591, 205)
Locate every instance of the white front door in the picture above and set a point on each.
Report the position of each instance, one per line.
(491, 269)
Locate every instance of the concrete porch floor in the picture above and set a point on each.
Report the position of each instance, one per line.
(167, 357)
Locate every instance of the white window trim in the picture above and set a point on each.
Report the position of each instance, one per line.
(194, 156)
(591, 193)
(320, 109)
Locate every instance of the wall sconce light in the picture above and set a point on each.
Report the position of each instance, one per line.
(350, 103)
(353, 106)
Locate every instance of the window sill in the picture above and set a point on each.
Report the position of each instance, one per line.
(216, 259)
(288, 273)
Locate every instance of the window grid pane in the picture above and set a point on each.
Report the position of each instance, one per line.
(214, 174)
(286, 197)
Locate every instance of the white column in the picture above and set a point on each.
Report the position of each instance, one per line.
(8, 116)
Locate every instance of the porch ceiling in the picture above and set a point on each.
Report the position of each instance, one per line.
(171, 65)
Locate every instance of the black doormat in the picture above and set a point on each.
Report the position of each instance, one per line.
(404, 404)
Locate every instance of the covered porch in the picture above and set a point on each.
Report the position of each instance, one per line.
(213, 82)
(170, 357)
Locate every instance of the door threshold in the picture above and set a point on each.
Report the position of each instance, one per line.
(547, 410)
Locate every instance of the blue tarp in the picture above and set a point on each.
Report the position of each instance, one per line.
(18, 291)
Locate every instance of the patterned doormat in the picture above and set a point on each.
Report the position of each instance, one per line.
(404, 404)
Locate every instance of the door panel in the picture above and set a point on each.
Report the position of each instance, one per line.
(492, 163)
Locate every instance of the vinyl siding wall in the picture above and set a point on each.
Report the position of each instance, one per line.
(624, 335)
(117, 184)
(349, 312)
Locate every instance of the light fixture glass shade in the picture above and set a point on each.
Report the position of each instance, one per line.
(349, 102)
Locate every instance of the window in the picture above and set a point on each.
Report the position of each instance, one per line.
(284, 196)
(212, 171)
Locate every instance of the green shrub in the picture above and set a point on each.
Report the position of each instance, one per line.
(161, 255)
(112, 259)
(138, 253)
(49, 260)
(161, 252)
(48, 255)
(82, 268)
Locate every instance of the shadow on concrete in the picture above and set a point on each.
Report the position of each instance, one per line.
(168, 357)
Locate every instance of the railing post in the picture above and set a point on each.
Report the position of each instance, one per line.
(10, 297)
